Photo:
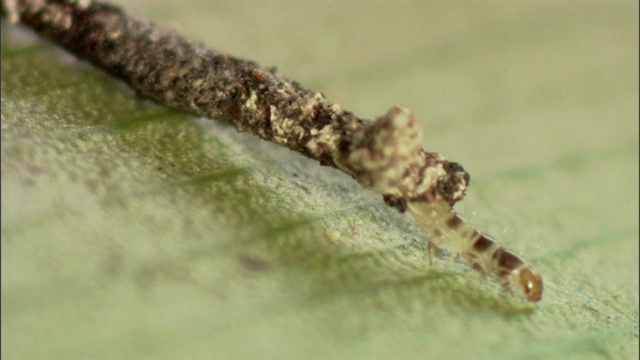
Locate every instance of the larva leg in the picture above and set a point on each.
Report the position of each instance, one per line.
(432, 252)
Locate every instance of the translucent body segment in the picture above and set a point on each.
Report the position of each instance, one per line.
(448, 230)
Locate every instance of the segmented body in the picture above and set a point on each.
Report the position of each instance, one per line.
(446, 229)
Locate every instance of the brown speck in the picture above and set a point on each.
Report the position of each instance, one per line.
(113, 264)
(252, 263)
(145, 278)
(34, 169)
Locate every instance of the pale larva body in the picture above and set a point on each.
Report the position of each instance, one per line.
(446, 229)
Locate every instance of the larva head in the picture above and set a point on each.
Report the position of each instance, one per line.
(530, 282)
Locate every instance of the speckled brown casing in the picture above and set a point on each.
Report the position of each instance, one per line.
(384, 155)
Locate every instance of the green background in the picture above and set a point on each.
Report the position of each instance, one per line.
(131, 231)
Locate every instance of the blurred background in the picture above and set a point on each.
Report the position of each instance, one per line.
(130, 231)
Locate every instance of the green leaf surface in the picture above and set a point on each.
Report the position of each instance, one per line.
(132, 231)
